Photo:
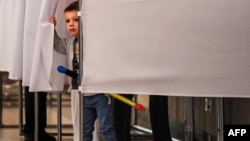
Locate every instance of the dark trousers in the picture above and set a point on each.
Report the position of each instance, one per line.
(158, 108)
(29, 126)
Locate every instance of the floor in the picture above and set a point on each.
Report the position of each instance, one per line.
(11, 126)
(10, 115)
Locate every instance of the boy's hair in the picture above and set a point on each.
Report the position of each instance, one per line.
(72, 6)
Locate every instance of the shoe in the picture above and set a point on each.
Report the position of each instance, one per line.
(28, 138)
(46, 137)
(43, 137)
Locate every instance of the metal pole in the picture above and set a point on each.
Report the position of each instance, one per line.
(36, 116)
(189, 119)
(135, 114)
(1, 99)
(21, 109)
(81, 96)
(219, 118)
(59, 116)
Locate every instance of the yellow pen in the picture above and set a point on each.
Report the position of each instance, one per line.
(127, 101)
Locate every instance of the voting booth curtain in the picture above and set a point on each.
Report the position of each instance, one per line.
(26, 43)
(163, 47)
(167, 47)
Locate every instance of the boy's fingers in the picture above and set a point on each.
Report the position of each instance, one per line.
(52, 18)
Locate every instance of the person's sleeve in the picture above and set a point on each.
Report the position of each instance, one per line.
(60, 44)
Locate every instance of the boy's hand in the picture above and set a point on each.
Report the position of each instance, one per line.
(52, 20)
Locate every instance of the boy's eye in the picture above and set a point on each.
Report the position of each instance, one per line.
(67, 21)
(76, 20)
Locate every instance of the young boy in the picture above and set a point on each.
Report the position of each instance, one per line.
(95, 105)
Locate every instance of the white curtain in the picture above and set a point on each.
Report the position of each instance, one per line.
(167, 47)
(7, 14)
(44, 74)
(32, 13)
(43, 52)
(16, 55)
(26, 43)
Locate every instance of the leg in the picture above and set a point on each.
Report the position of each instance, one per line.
(89, 118)
(122, 119)
(96, 134)
(158, 107)
(29, 127)
(75, 107)
(29, 113)
(104, 109)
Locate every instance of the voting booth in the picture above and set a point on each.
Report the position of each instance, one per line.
(165, 47)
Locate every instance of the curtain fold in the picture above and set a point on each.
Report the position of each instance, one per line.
(16, 55)
(32, 13)
(44, 74)
(7, 33)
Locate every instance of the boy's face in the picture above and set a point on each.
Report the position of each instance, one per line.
(71, 19)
